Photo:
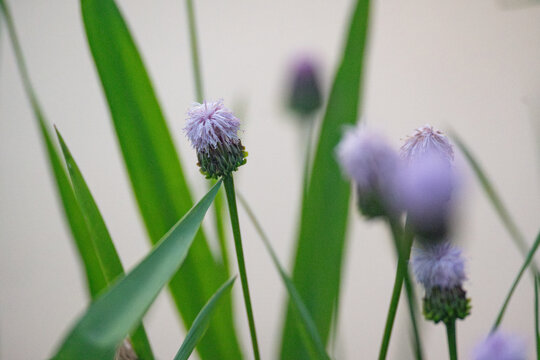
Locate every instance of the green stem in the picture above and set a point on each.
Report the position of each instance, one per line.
(194, 51)
(528, 260)
(307, 160)
(451, 335)
(233, 211)
(411, 301)
(536, 324)
(403, 248)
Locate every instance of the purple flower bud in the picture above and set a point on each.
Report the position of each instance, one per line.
(427, 141)
(438, 265)
(427, 190)
(305, 95)
(372, 164)
(440, 269)
(213, 132)
(500, 346)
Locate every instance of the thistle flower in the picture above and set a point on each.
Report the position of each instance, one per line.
(427, 141)
(371, 163)
(500, 346)
(305, 95)
(427, 190)
(213, 132)
(441, 270)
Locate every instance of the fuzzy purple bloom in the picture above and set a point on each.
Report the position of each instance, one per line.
(501, 346)
(438, 265)
(427, 190)
(211, 124)
(372, 164)
(427, 141)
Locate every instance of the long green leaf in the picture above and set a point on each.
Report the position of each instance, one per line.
(114, 314)
(72, 212)
(536, 320)
(528, 260)
(107, 257)
(493, 197)
(96, 278)
(200, 325)
(307, 323)
(154, 168)
(317, 268)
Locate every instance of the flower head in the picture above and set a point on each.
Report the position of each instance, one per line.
(439, 265)
(440, 269)
(500, 346)
(305, 95)
(427, 141)
(371, 163)
(213, 132)
(427, 191)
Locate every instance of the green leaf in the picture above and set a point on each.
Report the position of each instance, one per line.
(154, 168)
(312, 340)
(528, 260)
(114, 314)
(72, 212)
(319, 253)
(200, 325)
(493, 197)
(536, 319)
(108, 260)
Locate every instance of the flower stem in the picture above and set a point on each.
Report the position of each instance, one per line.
(233, 211)
(451, 335)
(403, 243)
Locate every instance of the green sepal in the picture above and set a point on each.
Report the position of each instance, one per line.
(446, 304)
(222, 160)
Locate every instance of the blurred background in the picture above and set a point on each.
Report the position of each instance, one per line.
(470, 66)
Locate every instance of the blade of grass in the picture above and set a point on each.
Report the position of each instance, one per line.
(107, 257)
(306, 320)
(114, 314)
(321, 240)
(154, 169)
(493, 197)
(96, 278)
(528, 260)
(72, 212)
(200, 325)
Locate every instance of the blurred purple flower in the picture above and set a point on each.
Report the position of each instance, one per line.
(427, 141)
(427, 189)
(500, 346)
(211, 124)
(372, 164)
(438, 265)
(305, 94)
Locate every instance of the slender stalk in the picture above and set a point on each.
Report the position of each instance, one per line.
(528, 260)
(536, 319)
(451, 335)
(233, 211)
(194, 50)
(307, 159)
(403, 246)
(413, 306)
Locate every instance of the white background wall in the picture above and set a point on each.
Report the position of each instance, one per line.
(468, 65)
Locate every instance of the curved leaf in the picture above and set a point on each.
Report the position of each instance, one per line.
(200, 325)
(114, 314)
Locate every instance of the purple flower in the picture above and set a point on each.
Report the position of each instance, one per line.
(305, 95)
(427, 190)
(500, 346)
(211, 124)
(427, 141)
(438, 265)
(213, 132)
(372, 164)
